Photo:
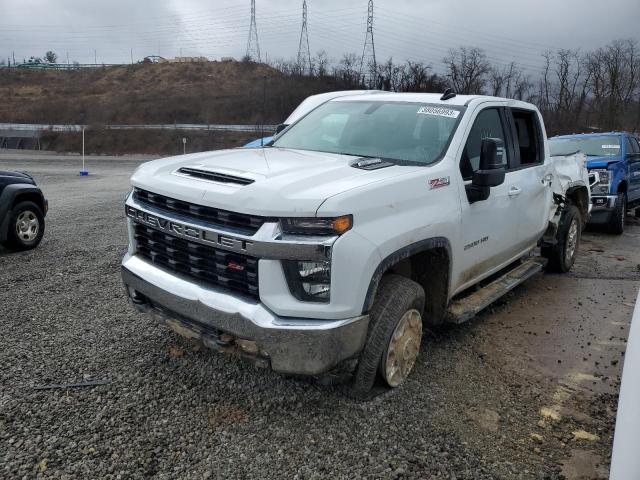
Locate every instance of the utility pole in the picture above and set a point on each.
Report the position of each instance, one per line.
(368, 63)
(95, 57)
(253, 48)
(14, 57)
(132, 56)
(304, 53)
(264, 108)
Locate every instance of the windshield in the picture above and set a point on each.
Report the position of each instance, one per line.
(599, 146)
(402, 132)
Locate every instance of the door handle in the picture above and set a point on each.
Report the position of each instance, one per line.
(515, 191)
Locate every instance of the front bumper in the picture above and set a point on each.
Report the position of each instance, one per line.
(220, 319)
(602, 208)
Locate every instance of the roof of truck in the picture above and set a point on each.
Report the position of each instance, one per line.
(458, 100)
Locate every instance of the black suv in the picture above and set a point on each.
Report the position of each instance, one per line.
(22, 211)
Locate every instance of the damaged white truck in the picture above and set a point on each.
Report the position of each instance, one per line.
(367, 220)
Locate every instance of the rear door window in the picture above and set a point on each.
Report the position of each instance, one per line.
(528, 137)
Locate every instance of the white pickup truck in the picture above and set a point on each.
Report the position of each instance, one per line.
(367, 219)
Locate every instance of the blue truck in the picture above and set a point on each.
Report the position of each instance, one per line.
(615, 158)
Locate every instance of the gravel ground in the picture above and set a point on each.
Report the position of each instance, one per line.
(498, 398)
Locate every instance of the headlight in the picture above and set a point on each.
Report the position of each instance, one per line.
(308, 281)
(602, 187)
(317, 226)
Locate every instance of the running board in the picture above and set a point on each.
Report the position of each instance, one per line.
(468, 307)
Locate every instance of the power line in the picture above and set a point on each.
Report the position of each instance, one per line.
(304, 53)
(368, 62)
(253, 47)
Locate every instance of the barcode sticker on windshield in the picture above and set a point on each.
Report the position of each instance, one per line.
(439, 112)
(617, 147)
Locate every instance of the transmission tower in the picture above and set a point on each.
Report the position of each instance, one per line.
(304, 53)
(368, 66)
(253, 47)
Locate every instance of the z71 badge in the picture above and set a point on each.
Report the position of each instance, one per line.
(439, 183)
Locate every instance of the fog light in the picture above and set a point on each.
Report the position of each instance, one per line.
(309, 281)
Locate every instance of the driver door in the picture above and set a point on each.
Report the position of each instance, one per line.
(489, 228)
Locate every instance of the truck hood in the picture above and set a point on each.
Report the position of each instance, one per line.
(284, 182)
(602, 162)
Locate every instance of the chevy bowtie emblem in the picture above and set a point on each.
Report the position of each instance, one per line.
(234, 266)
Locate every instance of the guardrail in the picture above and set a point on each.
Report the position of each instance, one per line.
(171, 126)
(60, 66)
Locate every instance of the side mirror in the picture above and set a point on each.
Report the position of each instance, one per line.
(281, 127)
(492, 170)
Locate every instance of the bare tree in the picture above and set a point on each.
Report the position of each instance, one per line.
(322, 63)
(574, 91)
(348, 71)
(467, 69)
(390, 76)
(50, 57)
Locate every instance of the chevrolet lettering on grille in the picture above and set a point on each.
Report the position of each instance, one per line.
(188, 231)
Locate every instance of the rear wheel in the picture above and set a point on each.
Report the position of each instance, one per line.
(616, 224)
(26, 227)
(394, 336)
(563, 254)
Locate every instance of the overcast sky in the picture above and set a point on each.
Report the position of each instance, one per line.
(404, 29)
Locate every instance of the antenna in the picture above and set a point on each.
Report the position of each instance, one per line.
(304, 53)
(253, 48)
(368, 63)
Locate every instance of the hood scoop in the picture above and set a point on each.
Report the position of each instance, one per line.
(217, 177)
(371, 163)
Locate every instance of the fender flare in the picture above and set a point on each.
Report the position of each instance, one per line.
(8, 196)
(399, 255)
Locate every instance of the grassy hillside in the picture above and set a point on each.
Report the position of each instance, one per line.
(212, 92)
(159, 142)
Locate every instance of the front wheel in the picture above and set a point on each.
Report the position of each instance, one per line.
(394, 336)
(563, 254)
(619, 215)
(26, 227)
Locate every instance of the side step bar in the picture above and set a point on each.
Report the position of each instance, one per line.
(468, 307)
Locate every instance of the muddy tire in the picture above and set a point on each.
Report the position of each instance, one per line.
(395, 321)
(563, 254)
(616, 224)
(26, 227)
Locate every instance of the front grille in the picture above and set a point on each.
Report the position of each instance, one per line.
(240, 222)
(213, 266)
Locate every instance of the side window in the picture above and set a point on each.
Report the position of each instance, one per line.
(528, 137)
(635, 145)
(487, 124)
(632, 145)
